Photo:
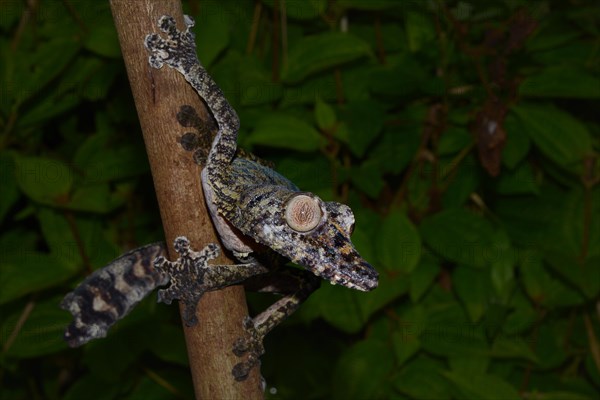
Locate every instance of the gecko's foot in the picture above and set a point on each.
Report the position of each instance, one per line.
(178, 50)
(189, 276)
(250, 346)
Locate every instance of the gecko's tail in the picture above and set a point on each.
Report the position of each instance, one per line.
(111, 292)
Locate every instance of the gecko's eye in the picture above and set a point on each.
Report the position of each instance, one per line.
(303, 213)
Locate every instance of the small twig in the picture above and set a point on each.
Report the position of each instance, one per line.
(78, 241)
(284, 37)
(18, 326)
(25, 17)
(163, 383)
(75, 15)
(275, 42)
(379, 40)
(594, 347)
(254, 27)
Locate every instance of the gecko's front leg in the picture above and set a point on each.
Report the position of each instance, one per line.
(191, 276)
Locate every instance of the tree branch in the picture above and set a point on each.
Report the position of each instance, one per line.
(158, 95)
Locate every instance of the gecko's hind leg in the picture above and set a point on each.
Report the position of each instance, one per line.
(191, 276)
(297, 285)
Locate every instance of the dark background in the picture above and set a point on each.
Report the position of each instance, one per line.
(463, 134)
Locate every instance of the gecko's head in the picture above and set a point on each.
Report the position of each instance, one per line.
(316, 235)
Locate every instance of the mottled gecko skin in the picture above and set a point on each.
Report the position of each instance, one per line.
(255, 199)
(110, 293)
(261, 217)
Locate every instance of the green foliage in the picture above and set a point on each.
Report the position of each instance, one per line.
(463, 134)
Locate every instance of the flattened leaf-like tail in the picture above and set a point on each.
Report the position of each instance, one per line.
(110, 293)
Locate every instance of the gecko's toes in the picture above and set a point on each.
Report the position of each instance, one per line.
(211, 251)
(241, 370)
(155, 62)
(250, 346)
(151, 41)
(181, 245)
(166, 23)
(189, 21)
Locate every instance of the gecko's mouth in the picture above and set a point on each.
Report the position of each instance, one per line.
(360, 276)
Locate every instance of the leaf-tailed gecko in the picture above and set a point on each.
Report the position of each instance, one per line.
(261, 217)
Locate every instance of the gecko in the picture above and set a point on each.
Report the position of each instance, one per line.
(262, 219)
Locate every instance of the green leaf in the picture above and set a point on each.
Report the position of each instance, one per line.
(558, 135)
(362, 371)
(389, 289)
(405, 346)
(549, 344)
(97, 85)
(256, 86)
(59, 237)
(44, 65)
(323, 86)
(561, 81)
(286, 131)
(460, 236)
(468, 364)
(405, 339)
(25, 271)
(394, 150)
(302, 10)
(513, 347)
(419, 30)
(584, 276)
(472, 287)
(111, 163)
(502, 267)
(45, 180)
(364, 120)
(462, 183)
(369, 5)
(422, 277)
(41, 332)
(10, 190)
(541, 287)
(423, 379)
(482, 386)
(398, 81)
(450, 334)
(102, 39)
(398, 243)
(310, 173)
(11, 11)
(342, 308)
(519, 181)
(324, 115)
(517, 142)
(91, 383)
(522, 317)
(152, 387)
(212, 32)
(560, 395)
(453, 140)
(93, 198)
(321, 52)
(367, 178)
(168, 344)
(349, 310)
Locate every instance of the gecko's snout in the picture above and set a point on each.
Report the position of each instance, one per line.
(359, 275)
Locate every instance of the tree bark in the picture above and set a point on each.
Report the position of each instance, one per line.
(158, 94)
